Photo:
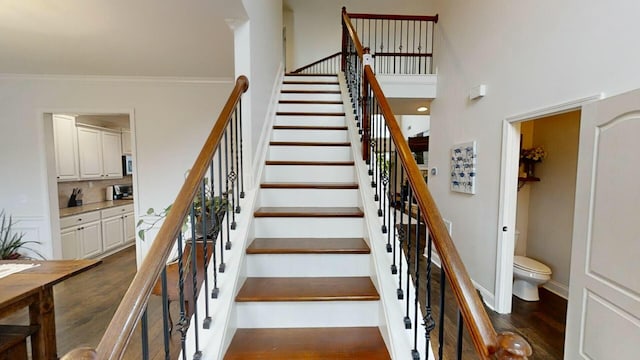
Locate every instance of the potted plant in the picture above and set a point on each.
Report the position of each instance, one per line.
(12, 242)
(219, 204)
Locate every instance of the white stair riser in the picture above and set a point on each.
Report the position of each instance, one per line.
(307, 78)
(311, 96)
(309, 197)
(310, 135)
(310, 120)
(307, 314)
(300, 173)
(309, 227)
(317, 108)
(310, 153)
(312, 265)
(316, 87)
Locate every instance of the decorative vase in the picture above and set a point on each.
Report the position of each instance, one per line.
(529, 168)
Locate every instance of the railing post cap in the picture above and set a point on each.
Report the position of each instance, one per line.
(344, 9)
(512, 346)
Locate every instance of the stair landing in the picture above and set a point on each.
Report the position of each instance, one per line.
(308, 343)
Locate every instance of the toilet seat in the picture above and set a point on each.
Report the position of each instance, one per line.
(527, 264)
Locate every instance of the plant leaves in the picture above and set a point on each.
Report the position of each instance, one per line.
(141, 234)
(150, 211)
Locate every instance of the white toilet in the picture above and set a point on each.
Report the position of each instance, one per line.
(528, 274)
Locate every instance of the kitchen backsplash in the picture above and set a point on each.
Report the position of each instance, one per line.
(94, 190)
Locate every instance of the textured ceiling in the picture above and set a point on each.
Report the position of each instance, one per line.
(115, 37)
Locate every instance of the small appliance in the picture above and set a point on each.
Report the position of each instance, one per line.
(123, 191)
(127, 165)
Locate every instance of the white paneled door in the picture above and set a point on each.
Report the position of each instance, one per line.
(603, 320)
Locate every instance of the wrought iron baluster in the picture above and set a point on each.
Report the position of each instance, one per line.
(394, 267)
(144, 333)
(429, 322)
(407, 319)
(231, 175)
(182, 322)
(227, 245)
(241, 168)
(207, 221)
(194, 275)
(443, 288)
(225, 203)
(416, 305)
(216, 226)
(237, 163)
(401, 236)
(460, 330)
(166, 319)
(380, 153)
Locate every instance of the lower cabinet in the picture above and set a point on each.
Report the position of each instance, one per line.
(95, 233)
(82, 241)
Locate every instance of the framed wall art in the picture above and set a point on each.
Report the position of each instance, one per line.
(463, 167)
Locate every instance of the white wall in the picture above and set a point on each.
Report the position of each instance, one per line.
(531, 55)
(171, 118)
(318, 29)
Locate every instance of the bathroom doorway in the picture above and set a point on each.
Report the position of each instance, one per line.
(552, 127)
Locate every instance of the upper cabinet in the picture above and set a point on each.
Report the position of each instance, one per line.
(66, 147)
(126, 142)
(100, 153)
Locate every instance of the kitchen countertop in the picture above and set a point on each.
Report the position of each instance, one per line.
(93, 207)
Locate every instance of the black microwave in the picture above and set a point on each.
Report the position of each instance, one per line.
(127, 165)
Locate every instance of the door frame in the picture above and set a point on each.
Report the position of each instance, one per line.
(510, 157)
(49, 165)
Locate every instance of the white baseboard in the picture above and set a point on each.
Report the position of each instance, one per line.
(557, 288)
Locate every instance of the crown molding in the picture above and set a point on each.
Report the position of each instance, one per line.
(110, 78)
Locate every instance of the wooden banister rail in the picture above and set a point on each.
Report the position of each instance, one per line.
(133, 304)
(309, 66)
(433, 18)
(487, 343)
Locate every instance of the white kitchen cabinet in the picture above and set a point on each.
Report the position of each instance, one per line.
(112, 233)
(81, 236)
(126, 142)
(111, 154)
(65, 139)
(129, 228)
(118, 227)
(100, 153)
(90, 151)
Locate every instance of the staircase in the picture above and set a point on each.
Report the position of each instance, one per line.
(308, 293)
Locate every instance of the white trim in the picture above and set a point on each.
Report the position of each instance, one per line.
(557, 288)
(554, 109)
(487, 296)
(108, 78)
(508, 194)
(267, 127)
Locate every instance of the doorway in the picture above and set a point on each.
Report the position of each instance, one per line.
(512, 178)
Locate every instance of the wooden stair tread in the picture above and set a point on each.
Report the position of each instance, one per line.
(308, 246)
(285, 185)
(312, 102)
(308, 127)
(302, 82)
(309, 143)
(309, 113)
(358, 343)
(287, 211)
(308, 289)
(310, 163)
(310, 91)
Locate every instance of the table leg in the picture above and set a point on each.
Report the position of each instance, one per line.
(41, 312)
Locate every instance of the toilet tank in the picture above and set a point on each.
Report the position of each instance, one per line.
(520, 247)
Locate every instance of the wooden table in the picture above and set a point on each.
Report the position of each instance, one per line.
(33, 288)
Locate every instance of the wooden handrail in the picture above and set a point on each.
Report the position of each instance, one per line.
(316, 62)
(433, 18)
(129, 312)
(481, 330)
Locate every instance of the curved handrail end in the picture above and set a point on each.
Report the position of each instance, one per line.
(84, 353)
(512, 346)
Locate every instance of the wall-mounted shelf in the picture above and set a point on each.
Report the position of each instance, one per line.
(522, 181)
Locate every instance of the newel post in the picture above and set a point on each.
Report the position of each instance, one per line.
(366, 123)
(512, 346)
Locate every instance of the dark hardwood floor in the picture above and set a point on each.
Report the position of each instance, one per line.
(86, 303)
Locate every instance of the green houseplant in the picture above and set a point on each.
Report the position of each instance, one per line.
(219, 204)
(12, 242)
